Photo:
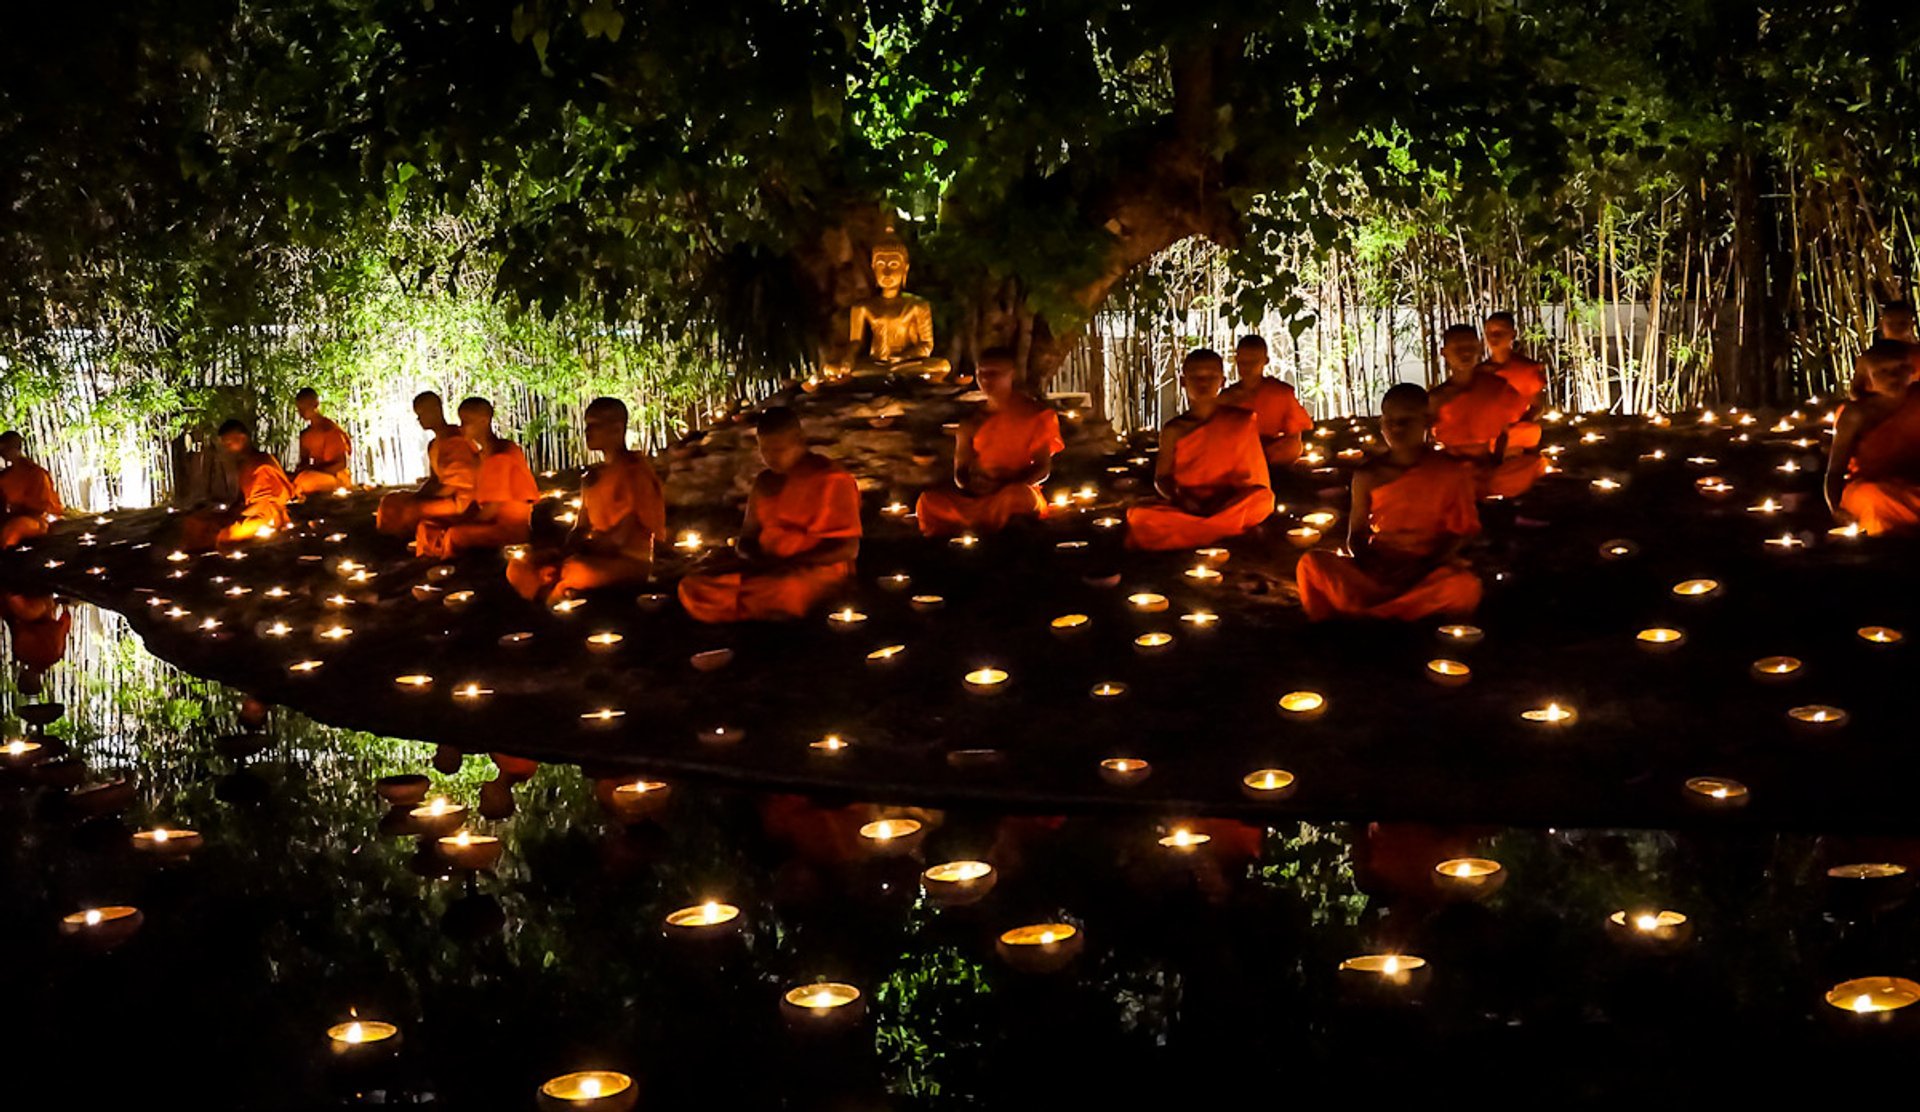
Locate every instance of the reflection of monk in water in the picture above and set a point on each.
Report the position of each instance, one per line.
(37, 628)
(27, 498)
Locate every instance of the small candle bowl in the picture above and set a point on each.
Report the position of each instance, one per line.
(721, 735)
(1267, 784)
(1654, 931)
(1660, 639)
(1717, 792)
(102, 928)
(1107, 691)
(1302, 706)
(438, 818)
(41, 714)
(886, 655)
(589, 1091)
(1870, 886)
(362, 1040)
(1469, 878)
(1460, 634)
(846, 618)
(1303, 536)
(1184, 841)
(975, 759)
(1204, 575)
(1885, 637)
(109, 797)
(167, 844)
(704, 921)
(1212, 557)
(469, 851)
(1695, 590)
(21, 753)
(1384, 977)
(1874, 997)
(1153, 643)
(604, 642)
(986, 681)
(711, 660)
(1040, 947)
(830, 746)
(1552, 715)
(1147, 602)
(1777, 669)
(824, 1007)
(406, 789)
(959, 883)
(1817, 718)
(1618, 549)
(638, 799)
(892, 837)
(898, 581)
(925, 603)
(1068, 625)
(1449, 673)
(1124, 772)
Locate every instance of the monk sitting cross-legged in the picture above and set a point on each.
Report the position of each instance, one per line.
(503, 494)
(27, 498)
(1472, 413)
(261, 510)
(453, 466)
(1412, 510)
(799, 540)
(1527, 376)
(622, 511)
(325, 449)
(1873, 470)
(1001, 455)
(1274, 403)
(1211, 470)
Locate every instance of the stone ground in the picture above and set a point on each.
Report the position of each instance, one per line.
(1560, 623)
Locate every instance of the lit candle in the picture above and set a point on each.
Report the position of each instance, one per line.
(1201, 619)
(1303, 536)
(21, 753)
(1040, 947)
(1183, 840)
(1873, 996)
(1124, 771)
(986, 681)
(1371, 973)
(362, 1039)
(927, 602)
(885, 654)
(1817, 717)
(890, 837)
(894, 509)
(1153, 642)
(1448, 673)
(1203, 575)
(830, 746)
(1881, 635)
(602, 717)
(1146, 602)
(845, 618)
(637, 799)
(898, 581)
(102, 928)
(1068, 624)
(1212, 557)
(335, 633)
(1878, 870)
(1267, 783)
(473, 852)
(964, 540)
(471, 693)
(722, 735)
(413, 682)
(1696, 588)
(1553, 714)
(1649, 930)
(1776, 669)
(1302, 706)
(1107, 523)
(567, 605)
(1717, 792)
(1472, 878)
(958, 883)
(438, 817)
(1618, 550)
(711, 919)
(1460, 634)
(165, 843)
(1107, 690)
(604, 642)
(827, 1006)
(589, 1091)
(689, 542)
(1660, 639)
(457, 600)
(304, 667)
(1320, 519)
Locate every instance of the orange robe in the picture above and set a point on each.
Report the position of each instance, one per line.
(39, 626)
(325, 454)
(1883, 492)
(1529, 378)
(1469, 420)
(504, 486)
(27, 500)
(626, 511)
(1004, 444)
(454, 464)
(814, 503)
(1409, 520)
(1277, 410)
(1221, 464)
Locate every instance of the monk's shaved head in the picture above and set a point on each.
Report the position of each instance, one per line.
(783, 443)
(1252, 343)
(607, 409)
(1403, 417)
(606, 420)
(1887, 365)
(232, 427)
(426, 397)
(1200, 356)
(1459, 332)
(11, 439)
(309, 394)
(476, 406)
(776, 420)
(1406, 396)
(1002, 358)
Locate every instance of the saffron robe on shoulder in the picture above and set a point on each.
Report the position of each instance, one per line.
(325, 452)
(1469, 420)
(27, 500)
(1219, 464)
(505, 487)
(1410, 520)
(816, 502)
(1883, 490)
(1004, 445)
(1277, 413)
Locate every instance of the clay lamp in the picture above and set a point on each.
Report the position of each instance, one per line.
(709, 920)
(833, 745)
(1303, 536)
(1107, 523)
(335, 633)
(167, 844)
(964, 540)
(1785, 542)
(1884, 637)
(1696, 589)
(1320, 519)
(1384, 977)
(1659, 639)
(415, 683)
(721, 735)
(638, 799)
(589, 1091)
(894, 509)
(470, 851)
(1618, 550)
(1449, 673)
(1717, 792)
(1469, 878)
(1777, 669)
(1460, 634)
(986, 681)
(892, 837)
(21, 753)
(898, 581)
(958, 883)
(885, 655)
(1125, 772)
(1203, 575)
(925, 603)
(1066, 625)
(1551, 715)
(102, 928)
(846, 618)
(604, 642)
(567, 606)
(711, 660)
(1107, 691)
(438, 817)
(1873, 996)
(1153, 643)
(1200, 619)
(276, 629)
(690, 542)
(362, 1040)
(1302, 706)
(823, 1007)
(1845, 532)
(1212, 557)
(109, 797)
(457, 600)
(1655, 931)
(1817, 718)
(1605, 485)
(406, 789)
(1184, 841)
(1267, 784)
(1147, 602)
(1040, 947)
(1871, 886)
(471, 694)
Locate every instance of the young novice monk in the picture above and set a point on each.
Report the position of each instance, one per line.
(1412, 510)
(1001, 455)
(27, 497)
(1274, 403)
(1211, 470)
(1473, 412)
(799, 540)
(264, 489)
(453, 465)
(325, 449)
(503, 494)
(622, 511)
(1873, 469)
(1527, 376)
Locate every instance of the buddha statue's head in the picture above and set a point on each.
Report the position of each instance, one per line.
(889, 264)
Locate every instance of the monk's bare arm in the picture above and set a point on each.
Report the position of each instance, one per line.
(963, 454)
(1846, 438)
(747, 546)
(1360, 512)
(1163, 480)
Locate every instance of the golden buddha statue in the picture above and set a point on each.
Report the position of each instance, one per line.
(897, 327)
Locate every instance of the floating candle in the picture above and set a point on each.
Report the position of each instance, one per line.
(1873, 995)
(1448, 673)
(1124, 771)
(1660, 639)
(705, 920)
(958, 883)
(163, 842)
(986, 681)
(102, 928)
(1302, 706)
(473, 852)
(595, 1090)
(1469, 877)
(1553, 714)
(1040, 947)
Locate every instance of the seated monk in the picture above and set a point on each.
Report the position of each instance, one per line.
(325, 449)
(800, 538)
(453, 465)
(504, 492)
(1525, 375)
(261, 509)
(1275, 404)
(622, 511)
(1001, 455)
(1472, 413)
(1873, 469)
(1412, 510)
(1897, 323)
(1211, 472)
(37, 626)
(28, 502)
